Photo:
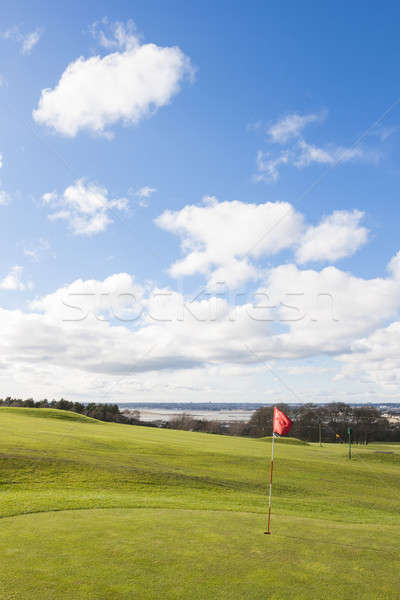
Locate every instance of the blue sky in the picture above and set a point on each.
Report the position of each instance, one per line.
(217, 151)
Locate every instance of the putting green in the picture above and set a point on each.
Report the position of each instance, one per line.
(171, 554)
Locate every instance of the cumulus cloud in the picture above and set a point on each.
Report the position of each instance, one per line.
(27, 41)
(171, 333)
(224, 240)
(127, 85)
(375, 358)
(233, 274)
(337, 235)
(118, 296)
(85, 206)
(308, 312)
(13, 281)
(80, 326)
(326, 310)
(394, 266)
(219, 238)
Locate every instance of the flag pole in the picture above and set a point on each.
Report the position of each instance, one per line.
(268, 532)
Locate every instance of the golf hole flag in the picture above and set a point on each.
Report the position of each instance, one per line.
(282, 423)
(281, 426)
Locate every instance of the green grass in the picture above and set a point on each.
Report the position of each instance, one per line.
(284, 440)
(102, 511)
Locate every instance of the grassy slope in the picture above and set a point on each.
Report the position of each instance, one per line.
(167, 515)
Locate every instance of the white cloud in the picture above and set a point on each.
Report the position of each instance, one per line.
(291, 126)
(144, 194)
(85, 206)
(302, 154)
(122, 35)
(268, 167)
(299, 153)
(337, 235)
(27, 41)
(394, 266)
(325, 311)
(309, 154)
(30, 41)
(308, 370)
(222, 240)
(317, 311)
(13, 281)
(95, 359)
(234, 273)
(375, 358)
(95, 327)
(126, 85)
(118, 296)
(219, 238)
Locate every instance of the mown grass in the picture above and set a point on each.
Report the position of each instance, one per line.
(92, 510)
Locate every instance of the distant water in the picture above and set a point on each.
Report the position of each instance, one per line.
(209, 411)
(154, 414)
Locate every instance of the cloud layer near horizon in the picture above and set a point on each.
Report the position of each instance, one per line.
(119, 327)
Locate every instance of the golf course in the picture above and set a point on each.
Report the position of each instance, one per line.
(97, 511)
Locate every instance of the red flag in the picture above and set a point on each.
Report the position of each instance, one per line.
(282, 423)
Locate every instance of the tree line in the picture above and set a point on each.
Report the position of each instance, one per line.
(102, 412)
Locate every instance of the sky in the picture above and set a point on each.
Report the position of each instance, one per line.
(199, 201)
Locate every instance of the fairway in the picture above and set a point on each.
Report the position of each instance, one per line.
(93, 510)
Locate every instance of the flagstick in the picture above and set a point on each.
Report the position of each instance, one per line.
(268, 532)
